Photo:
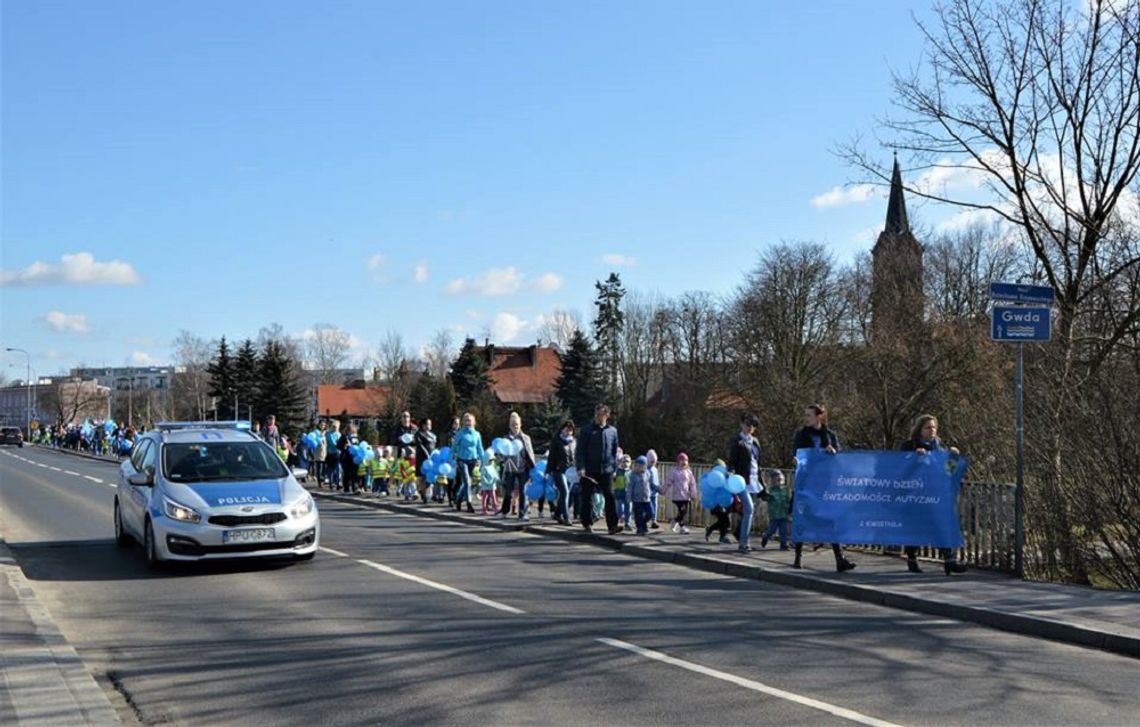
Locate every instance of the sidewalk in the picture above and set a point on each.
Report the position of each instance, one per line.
(42, 680)
(1108, 620)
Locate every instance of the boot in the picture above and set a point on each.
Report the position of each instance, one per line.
(953, 566)
(844, 565)
(912, 565)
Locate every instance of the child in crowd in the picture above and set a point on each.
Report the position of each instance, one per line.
(488, 481)
(378, 471)
(654, 486)
(364, 475)
(681, 488)
(621, 497)
(439, 487)
(779, 505)
(721, 514)
(406, 475)
(639, 494)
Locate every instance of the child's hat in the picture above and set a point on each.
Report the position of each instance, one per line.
(682, 457)
(641, 460)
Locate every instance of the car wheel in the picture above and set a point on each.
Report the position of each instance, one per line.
(152, 559)
(305, 557)
(122, 538)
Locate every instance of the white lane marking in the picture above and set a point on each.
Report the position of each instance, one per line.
(323, 549)
(847, 714)
(442, 587)
(55, 469)
(93, 479)
(39, 464)
(69, 472)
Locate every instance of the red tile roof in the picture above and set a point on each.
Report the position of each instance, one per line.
(358, 401)
(524, 375)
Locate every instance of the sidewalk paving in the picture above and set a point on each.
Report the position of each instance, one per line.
(1108, 620)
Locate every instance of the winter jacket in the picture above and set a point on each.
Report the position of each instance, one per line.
(561, 457)
(597, 449)
(680, 485)
(621, 480)
(404, 472)
(637, 487)
(779, 502)
(524, 460)
(397, 440)
(912, 444)
(425, 443)
(743, 455)
(467, 445)
(342, 446)
(812, 438)
(322, 452)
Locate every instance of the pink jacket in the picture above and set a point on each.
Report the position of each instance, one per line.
(680, 484)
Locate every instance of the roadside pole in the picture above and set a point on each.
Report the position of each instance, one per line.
(1019, 490)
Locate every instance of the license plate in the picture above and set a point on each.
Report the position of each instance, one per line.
(250, 535)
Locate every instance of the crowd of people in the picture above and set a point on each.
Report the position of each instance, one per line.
(582, 477)
(100, 437)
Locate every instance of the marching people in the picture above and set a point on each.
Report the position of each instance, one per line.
(332, 455)
(425, 443)
(321, 453)
(923, 439)
(779, 505)
(516, 467)
(681, 488)
(349, 467)
(744, 460)
(638, 492)
(621, 493)
(596, 460)
(560, 459)
(654, 486)
(815, 434)
(467, 451)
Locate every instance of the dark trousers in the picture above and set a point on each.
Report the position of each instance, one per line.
(722, 524)
(682, 510)
(834, 548)
(351, 478)
(510, 481)
(603, 483)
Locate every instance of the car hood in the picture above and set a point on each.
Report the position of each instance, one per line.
(214, 495)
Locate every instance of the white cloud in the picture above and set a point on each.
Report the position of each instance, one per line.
(547, 283)
(142, 358)
(67, 322)
(420, 274)
(506, 327)
(839, 196)
(79, 268)
(474, 314)
(619, 260)
(376, 261)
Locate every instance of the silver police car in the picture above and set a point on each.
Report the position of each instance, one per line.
(194, 491)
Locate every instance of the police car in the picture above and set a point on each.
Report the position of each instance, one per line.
(194, 491)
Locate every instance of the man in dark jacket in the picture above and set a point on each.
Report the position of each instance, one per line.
(744, 460)
(404, 436)
(425, 445)
(596, 460)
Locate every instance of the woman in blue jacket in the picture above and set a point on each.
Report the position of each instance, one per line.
(467, 451)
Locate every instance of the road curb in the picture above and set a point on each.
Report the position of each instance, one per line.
(83, 455)
(44, 682)
(1036, 626)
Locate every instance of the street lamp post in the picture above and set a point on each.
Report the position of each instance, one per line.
(28, 381)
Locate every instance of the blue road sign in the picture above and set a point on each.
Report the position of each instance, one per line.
(1014, 293)
(1021, 323)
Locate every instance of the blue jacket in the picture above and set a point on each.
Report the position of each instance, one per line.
(597, 449)
(637, 487)
(467, 444)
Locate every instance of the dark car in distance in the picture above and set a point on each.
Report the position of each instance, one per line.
(11, 435)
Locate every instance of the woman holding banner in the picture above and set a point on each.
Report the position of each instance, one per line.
(923, 439)
(815, 434)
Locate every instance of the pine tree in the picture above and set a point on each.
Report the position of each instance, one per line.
(545, 420)
(608, 325)
(469, 374)
(245, 379)
(221, 382)
(579, 385)
(281, 390)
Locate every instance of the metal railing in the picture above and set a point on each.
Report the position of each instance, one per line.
(985, 510)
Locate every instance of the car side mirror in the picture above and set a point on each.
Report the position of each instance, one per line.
(141, 479)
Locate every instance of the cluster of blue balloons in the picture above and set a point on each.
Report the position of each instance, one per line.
(361, 453)
(311, 440)
(438, 465)
(507, 447)
(718, 487)
(540, 484)
(125, 446)
(109, 426)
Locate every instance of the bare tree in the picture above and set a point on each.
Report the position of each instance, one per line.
(644, 341)
(71, 400)
(959, 267)
(558, 327)
(391, 357)
(191, 384)
(439, 352)
(327, 349)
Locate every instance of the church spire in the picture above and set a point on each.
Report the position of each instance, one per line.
(896, 207)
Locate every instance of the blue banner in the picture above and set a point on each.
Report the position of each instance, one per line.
(878, 498)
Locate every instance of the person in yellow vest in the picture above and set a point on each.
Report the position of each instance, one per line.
(406, 476)
(378, 471)
(364, 475)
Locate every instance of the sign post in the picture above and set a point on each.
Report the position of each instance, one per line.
(1025, 315)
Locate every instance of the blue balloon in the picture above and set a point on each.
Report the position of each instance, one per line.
(535, 489)
(541, 466)
(735, 484)
(445, 469)
(426, 467)
(502, 447)
(444, 454)
(716, 479)
(723, 497)
(551, 493)
(516, 447)
(334, 437)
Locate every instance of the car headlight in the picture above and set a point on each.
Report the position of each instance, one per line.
(178, 511)
(301, 508)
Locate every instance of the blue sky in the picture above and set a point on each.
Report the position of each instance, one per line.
(219, 166)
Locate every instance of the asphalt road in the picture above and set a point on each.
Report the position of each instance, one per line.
(405, 620)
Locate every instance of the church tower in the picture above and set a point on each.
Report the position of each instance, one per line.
(897, 299)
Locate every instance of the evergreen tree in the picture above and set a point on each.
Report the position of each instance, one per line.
(608, 325)
(281, 390)
(433, 398)
(579, 385)
(221, 381)
(368, 433)
(469, 374)
(545, 419)
(245, 379)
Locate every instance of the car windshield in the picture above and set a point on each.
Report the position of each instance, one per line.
(220, 461)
